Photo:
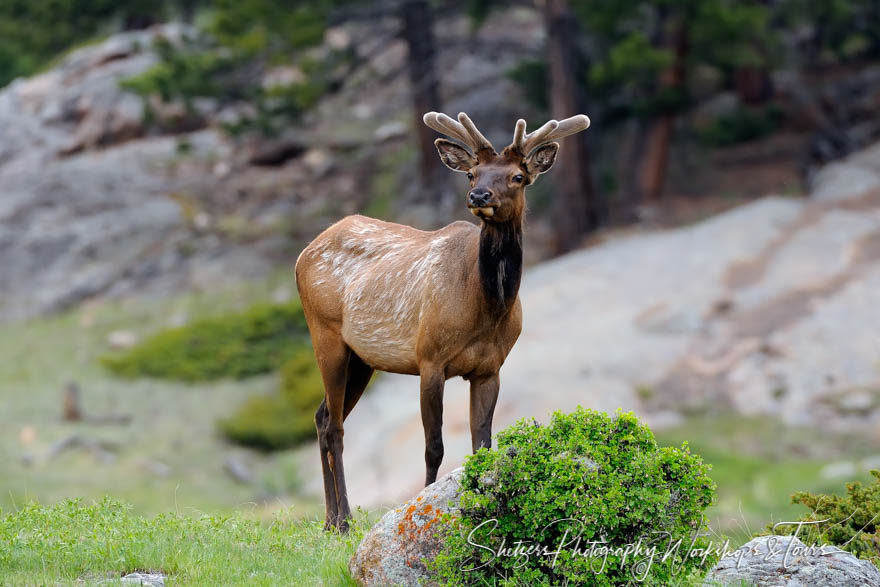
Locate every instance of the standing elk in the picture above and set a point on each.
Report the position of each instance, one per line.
(440, 304)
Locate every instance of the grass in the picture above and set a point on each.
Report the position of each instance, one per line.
(170, 456)
(72, 541)
(758, 464)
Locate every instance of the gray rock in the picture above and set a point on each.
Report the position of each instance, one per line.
(722, 104)
(122, 339)
(395, 550)
(147, 579)
(238, 470)
(842, 181)
(390, 130)
(785, 561)
(94, 203)
(839, 470)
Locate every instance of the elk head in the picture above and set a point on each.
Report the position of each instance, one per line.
(498, 182)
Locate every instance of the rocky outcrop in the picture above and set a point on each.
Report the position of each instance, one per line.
(395, 551)
(785, 561)
(856, 176)
(95, 202)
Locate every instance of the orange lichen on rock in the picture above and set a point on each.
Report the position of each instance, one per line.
(417, 521)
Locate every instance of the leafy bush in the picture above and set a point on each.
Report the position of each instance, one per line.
(268, 422)
(33, 33)
(853, 520)
(279, 421)
(237, 345)
(584, 477)
(740, 126)
(532, 77)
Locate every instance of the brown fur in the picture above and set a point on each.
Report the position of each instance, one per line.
(441, 304)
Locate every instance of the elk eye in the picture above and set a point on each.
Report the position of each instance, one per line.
(470, 176)
(518, 178)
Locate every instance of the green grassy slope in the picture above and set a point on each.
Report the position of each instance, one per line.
(758, 464)
(73, 542)
(170, 455)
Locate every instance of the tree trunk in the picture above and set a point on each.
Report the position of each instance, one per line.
(71, 411)
(656, 155)
(416, 20)
(652, 171)
(753, 84)
(576, 207)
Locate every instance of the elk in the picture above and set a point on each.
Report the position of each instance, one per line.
(439, 304)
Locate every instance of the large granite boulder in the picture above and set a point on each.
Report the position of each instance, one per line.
(94, 201)
(785, 561)
(395, 550)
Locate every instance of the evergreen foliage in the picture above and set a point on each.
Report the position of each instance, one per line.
(285, 419)
(584, 477)
(241, 345)
(850, 522)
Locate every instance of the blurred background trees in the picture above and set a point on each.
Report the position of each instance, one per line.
(643, 65)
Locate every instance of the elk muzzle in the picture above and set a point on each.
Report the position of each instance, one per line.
(480, 202)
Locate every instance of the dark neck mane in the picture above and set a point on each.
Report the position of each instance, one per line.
(501, 263)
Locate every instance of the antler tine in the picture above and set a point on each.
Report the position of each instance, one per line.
(480, 142)
(519, 133)
(553, 130)
(447, 126)
(539, 136)
(572, 125)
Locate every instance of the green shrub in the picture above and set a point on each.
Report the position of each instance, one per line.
(531, 76)
(301, 383)
(281, 420)
(240, 345)
(586, 476)
(740, 126)
(853, 520)
(268, 422)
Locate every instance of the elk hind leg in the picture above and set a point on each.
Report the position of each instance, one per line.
(333, 357)
(330, 499)
(359, 374)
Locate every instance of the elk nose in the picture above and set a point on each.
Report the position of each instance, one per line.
(479, 197)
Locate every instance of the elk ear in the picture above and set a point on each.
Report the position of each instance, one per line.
(454, 156)
(542, 158)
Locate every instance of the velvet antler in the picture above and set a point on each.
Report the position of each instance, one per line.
(550, 131)
(462, 130)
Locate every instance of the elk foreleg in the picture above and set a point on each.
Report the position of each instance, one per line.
(431, 399)
(484, 395)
